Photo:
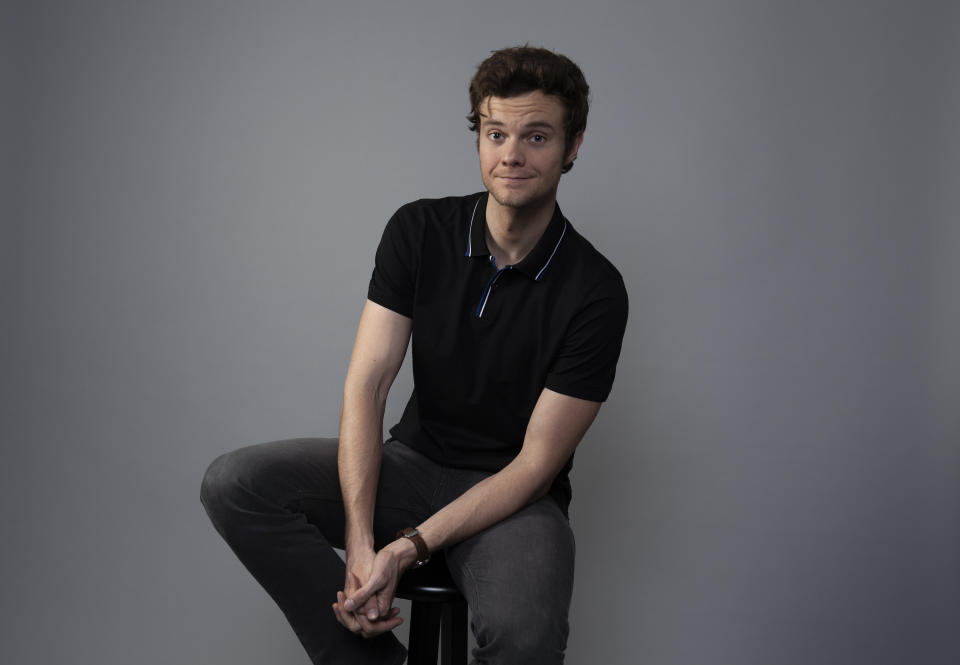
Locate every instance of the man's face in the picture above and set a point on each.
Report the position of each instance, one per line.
(522, 148)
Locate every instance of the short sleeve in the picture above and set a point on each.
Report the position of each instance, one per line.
(587, 361)
(394, 278)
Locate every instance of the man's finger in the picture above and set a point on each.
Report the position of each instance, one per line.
(357, 622)
(384, 600)
(360, 596)
(368, 629)
(352, 603)
(383, 625)
(346, 619)
(371, 610)
(336, 613)
(371, 628)
(351, 584)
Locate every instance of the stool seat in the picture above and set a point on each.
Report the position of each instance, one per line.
(438, 614)
(430, 583)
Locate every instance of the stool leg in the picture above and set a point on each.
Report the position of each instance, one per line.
(453, 634)
(424, 626)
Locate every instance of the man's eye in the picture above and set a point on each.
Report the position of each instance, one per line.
(538, 138)
(496, 136)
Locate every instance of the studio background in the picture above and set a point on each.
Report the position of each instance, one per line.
(192, 194)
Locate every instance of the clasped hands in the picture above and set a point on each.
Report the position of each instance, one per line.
(365, 606)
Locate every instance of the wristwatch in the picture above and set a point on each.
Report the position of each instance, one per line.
(423, 552)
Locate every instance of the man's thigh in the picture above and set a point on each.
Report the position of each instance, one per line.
(301, 475)
(517, 577)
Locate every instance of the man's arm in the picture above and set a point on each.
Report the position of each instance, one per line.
(557, 424)
(378, 352)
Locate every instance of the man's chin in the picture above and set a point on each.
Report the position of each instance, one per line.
(509, 202)
(515, 200)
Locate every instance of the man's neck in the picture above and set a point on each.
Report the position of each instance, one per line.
(513, 232)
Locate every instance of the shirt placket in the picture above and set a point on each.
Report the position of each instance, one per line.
(488, 289)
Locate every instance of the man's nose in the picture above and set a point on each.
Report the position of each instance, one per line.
(512, 153)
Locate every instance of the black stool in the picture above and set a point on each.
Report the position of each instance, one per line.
(439, 614)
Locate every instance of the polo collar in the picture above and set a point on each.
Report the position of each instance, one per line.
(536, 262)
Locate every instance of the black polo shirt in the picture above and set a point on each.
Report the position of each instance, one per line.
(487, 339)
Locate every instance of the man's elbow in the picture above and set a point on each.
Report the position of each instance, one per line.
(371, 389)
(539, 478)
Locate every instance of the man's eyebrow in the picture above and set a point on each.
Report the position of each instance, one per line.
(536, 124)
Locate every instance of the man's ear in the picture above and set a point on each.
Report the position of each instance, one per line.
(574, 148)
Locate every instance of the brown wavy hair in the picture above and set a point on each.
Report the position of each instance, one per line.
(521, 69)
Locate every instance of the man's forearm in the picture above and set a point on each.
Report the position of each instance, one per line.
(377, 354)
(486, 503)
(489, 501)
(358, 460)
(493, 499)
(556, 426)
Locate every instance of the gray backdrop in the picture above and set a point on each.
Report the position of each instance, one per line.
(192, 193)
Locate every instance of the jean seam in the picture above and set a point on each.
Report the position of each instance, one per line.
(437, 491)
(475, 605)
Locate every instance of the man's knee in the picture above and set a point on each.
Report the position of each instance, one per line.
(520, 595)
(258, 477)
(534, 633)
(222, 488)
(266, 476)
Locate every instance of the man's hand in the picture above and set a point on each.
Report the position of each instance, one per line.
(359, 566)
(360, 623)
(365, 607)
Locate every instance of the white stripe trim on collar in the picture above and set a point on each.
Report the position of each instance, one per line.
(470, 228)
(555, 248)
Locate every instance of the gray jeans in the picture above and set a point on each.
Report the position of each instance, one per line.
(278, 506)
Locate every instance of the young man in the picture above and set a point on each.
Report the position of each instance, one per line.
(516, 323)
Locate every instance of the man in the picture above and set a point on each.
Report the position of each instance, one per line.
(516, 323)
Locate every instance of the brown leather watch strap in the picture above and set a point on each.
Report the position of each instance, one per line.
(423, 552)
